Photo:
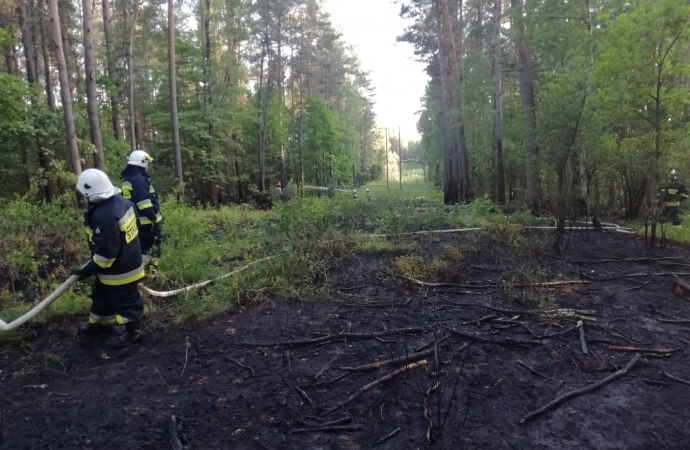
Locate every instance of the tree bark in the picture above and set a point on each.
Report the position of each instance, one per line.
(91, 94)
(132, 122)
(450, 195)
(71, 65)
(209, 96)
(498, 111)
(526, 92)
(64, 87)
(27, 42)
(173, 97)
(50, 96)
(111, 65)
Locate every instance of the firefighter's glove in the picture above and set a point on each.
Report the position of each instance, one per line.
(86, 271)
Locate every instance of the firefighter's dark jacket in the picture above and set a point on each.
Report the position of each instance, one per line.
(112, 228)
(674, 193)
(137, 188)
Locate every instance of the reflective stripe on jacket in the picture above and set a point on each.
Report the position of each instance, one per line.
(113, 233)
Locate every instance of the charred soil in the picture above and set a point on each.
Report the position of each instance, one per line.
(238, 382)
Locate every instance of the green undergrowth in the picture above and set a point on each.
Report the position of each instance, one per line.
(306, 237)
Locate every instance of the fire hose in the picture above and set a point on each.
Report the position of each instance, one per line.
(33, 312)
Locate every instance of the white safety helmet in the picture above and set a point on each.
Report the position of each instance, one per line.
(139, 158)
(95, 185)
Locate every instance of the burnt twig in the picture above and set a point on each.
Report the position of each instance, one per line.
(531, 369)
(676, 379)
(186, 355)
(303, 395)
(583, 339)
(488, 340)
(332, 337)
(655, 382)
(336, 428)
(375, 383)
(663, 351)
(388, 436)
(174, 439)
(577, 392)
(389, 362)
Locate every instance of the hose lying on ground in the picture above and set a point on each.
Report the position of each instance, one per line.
(162, 294)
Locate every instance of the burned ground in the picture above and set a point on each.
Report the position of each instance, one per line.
(237, 384)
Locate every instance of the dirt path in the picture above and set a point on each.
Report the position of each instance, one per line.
(60, 391)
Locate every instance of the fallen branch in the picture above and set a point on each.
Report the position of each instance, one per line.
(429, 344)
(186, 355)
(583, 340)
(572, 394)
(663, 351)
(389, 362)
(624, 260)
(375, 383)
(325, 366)
(677, 380)
(388, 436)
(174, 439)
(341, 421)
(641, 274)
(512, 343)
(621, 336)
(239, 364)
(676, 321)
(336, 428)
(532, 312)
(531, 369)
(332, 337)
(655, 382)
(303, 395)
(427, 284)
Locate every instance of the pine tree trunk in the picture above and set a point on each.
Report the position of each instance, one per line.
(173, 97)
(47, 72)
(49, 190)
(27, 42)
(132, 122)
(65, 94)
(209, 97)
(70, 59)
(450, 185)
(526, 92)
(498, 111)
(91, 93)
(111, 65)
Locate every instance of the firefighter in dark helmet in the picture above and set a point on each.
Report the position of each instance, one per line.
(672, 193)
(137, 188)
(113, 237)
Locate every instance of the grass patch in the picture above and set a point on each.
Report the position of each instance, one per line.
(423, 269)
(382, 247)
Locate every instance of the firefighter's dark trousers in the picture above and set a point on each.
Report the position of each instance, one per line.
(151, 240)
(672, 213)
(115, 304)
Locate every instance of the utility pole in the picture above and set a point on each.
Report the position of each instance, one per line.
(387, 185)
(400, 155)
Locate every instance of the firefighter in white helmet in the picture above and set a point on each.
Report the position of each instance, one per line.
(113, 238)
(137, 188)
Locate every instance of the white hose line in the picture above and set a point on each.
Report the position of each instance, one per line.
(40, 307)
(162, 294)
